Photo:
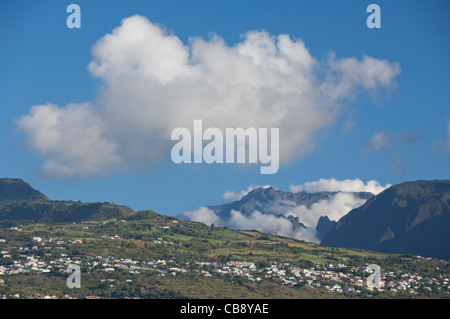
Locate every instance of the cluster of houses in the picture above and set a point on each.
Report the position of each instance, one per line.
(331, 277)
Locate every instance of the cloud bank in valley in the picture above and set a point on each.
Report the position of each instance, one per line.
(335, 207)
(152, 82)
(265, 223)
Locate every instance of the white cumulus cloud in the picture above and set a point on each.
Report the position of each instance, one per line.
(71, 139)
(152, 82)
(334, 185)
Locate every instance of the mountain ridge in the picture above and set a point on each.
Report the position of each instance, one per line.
(291, 214)
(407, 218)
(255, 198)
(411, 217)
(19, 202)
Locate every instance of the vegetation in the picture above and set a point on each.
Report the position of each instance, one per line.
(155, 256)
(127, 254)
(23, 212)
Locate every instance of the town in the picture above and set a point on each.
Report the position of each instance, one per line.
(51, 256)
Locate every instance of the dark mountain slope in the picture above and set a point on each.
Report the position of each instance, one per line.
(324, 225)
(20, 203)
(13, 189)
(412, 218)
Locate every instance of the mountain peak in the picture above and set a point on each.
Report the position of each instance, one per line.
(323, 226)
(15, 189)
(262, 189)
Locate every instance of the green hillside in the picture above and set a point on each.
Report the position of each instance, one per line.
(127, 254)
(13, 189)
(58, 211)
(148, 255)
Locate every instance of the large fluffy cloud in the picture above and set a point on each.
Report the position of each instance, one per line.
(153, 83)
(72, 138)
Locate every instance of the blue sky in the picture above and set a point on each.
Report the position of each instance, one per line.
(399, 132)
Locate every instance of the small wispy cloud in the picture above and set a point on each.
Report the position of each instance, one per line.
(382, 141)
(443, 145)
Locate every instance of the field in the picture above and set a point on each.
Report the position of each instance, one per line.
(155, 256)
